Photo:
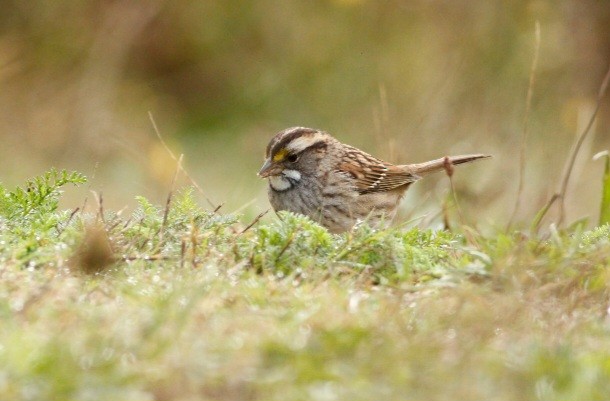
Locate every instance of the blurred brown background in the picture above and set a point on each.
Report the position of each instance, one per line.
(406, 80)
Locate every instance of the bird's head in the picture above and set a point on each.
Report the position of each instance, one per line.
(290, 154)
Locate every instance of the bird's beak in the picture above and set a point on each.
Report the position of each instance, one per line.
(269, 169)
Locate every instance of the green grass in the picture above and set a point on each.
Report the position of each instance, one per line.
(181, 303)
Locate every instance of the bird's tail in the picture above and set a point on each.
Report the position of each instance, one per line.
(444, 163)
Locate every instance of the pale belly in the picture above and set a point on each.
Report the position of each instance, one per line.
(338, 213)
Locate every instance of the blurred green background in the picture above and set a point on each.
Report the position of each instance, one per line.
(404, 80)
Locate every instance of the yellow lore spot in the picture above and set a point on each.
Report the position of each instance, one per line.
(280, 155)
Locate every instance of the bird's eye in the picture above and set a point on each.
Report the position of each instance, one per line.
(292, 158)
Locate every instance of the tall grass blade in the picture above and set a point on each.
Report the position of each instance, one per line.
(604, 213)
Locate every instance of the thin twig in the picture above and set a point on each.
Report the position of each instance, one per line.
(193, 182)
(182, 252)
(244, 206)
(285, 247)
(525, 132)
(61, 230)
(217, 208)
(260, 216)
(169, 198)
(127, 223)
(97, 164)
(100, 206)
(449, 170)
(577, 146)
(114, 225)
(152, 258)
(194, 243)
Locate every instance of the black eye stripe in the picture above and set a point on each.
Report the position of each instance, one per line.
(318, 145)
(284, 139)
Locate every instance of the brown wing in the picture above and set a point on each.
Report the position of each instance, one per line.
(372, 174)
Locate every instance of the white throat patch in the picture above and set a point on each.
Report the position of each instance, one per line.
(282, 182)
(295, 175)
(279, 183)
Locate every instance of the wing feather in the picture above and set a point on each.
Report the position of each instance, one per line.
(372, 174)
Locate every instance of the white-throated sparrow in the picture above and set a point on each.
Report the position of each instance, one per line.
(337, 185)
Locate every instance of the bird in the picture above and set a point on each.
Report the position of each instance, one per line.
(309, 172)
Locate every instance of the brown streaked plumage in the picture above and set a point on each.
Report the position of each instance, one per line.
(337, 185)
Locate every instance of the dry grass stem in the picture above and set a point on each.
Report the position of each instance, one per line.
(260, 216)
(449, 170)
(186, 174)
(525, 132)
(83, 207)
(576, 148)
(100, 206)
(169, 197)
(194, 243)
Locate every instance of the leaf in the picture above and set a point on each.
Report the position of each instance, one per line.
(604, 215)
(40, 195)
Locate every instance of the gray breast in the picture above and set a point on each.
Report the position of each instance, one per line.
(303, 198)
